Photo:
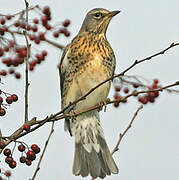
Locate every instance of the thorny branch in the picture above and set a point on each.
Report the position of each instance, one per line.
(19, 132)
(42, 155)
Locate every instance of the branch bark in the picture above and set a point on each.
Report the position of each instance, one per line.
(26, 63)
(43, 152)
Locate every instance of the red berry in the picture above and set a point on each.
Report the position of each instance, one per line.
(21, 148)
(22, 159)
(66, 23)
(1, 100)
(22, 25)
(32, 157)
(116, 104)
(34, 28)
(42, 35)
(37, 150)
(32, 37)
(9, 100)
(2, 111)
(14, 97)
(28, 27)
(30, 153)
(28, 162)
(44, 53)
(117, 88)
(44, 20)
(26, 127)
(135, 85)
(37, 40)
(34, 146)
(143, 99)
(11, 71)
(17, 24)
(156, 93)
(11, 44)
(7, 152)
(3, 73)
(48, 27)
(67, 33)
(7, 173)
(23, 53)
(13, 164)
(8, 17)
(1, 53)
(154, 86)
(56, 34)
(3, 21)
(8, 160)
(17, 75)
(126, 90)
(6, 49)
(156, 81)
(46, 10)
(2, 145)
(36, 21)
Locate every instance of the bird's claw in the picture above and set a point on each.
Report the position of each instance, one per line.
(103, 103)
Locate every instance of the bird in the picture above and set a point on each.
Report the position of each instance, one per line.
(87, 61)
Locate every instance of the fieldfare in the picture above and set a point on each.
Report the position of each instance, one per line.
(87, 61)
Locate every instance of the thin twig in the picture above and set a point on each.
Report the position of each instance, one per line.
(21, 12)
(128, 127)
(26, 64)
(54, 44)
(42, 155)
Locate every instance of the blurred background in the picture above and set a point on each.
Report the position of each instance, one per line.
(150, 149)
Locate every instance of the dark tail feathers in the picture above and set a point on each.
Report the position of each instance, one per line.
(97, 164)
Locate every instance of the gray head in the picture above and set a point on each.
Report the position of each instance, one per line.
(97, 20)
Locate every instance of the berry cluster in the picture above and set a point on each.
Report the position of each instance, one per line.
(38, 29)
(28, 154)
(151, 96)
(132, 87)
(9, 98)
(5, 173)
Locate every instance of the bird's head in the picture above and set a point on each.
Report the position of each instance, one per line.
(97, 20)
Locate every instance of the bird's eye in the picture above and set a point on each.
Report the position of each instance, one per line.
(98, 15)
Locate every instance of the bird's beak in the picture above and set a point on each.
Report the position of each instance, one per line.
(113, 13)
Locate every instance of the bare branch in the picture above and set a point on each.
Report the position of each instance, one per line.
(42, 155)
(26, 63)
(128, 127)
(19, 133)
(21, 12)
(59, 46)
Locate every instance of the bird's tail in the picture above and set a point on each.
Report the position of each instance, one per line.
(92, 155)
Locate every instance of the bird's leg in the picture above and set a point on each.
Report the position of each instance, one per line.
(103, 103)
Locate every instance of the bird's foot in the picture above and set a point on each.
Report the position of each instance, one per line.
(72, 114)
(103, 104)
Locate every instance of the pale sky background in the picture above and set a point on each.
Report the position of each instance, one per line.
(150, 150)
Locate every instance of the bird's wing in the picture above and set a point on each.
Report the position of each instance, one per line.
(63, 67)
